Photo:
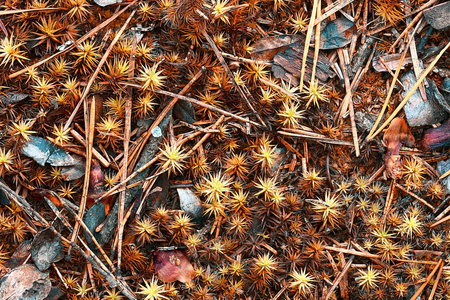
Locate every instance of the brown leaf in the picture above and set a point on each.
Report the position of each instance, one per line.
(266, 48)
(173, 265)
(397, 135)
(25, 282)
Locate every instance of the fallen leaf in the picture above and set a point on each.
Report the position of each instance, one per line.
(266, 48)
(19, 256)
(337, 34)
(173, 265)
(184, 111)
(11, 98)
(46, 249)
(437, 16)
(25, 282)
(39, 194)
(76, 171)
(43, 151)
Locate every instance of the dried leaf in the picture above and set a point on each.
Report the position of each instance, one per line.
(396, 135)
(266, 48)
(287, 65)
(173, 265)
(337, 34)
(4, 200)
(184, 111)
(11, 98)
(94, 217)
(19, 256)
(76, 171)
(46, 249)
(43, 151)
(25, 283)
(391, 61)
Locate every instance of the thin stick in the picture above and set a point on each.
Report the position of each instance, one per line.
(19, 11)
(126, 143)
(95, 153)
(410, 25)
(331, 9)
(409, 94)
(281, 89)
(245, 60)
(97, 70)
(436, 282)
(422, 287)
(377, 173)
(415, 196)
(316, 44)
(339, 278)
(210, 107)
(388, 204)
(440, 221)
(205, 137)
(307, 42)
(318, 138)
(353, 125)
(80, 40)
(89, 125)
(353, 252)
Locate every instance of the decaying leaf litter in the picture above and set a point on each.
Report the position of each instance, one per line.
(221, 149)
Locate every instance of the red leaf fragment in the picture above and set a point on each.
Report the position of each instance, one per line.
(173, 265)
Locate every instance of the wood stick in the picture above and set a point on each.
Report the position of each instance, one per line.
(436, 282)
(331, 9)
(422, 287)
(97, 70)
(95, 153)
(414, 195)
(339, 278)
(307, 42)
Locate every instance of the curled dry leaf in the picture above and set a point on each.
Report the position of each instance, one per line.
(397, 135)
(173, 265)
